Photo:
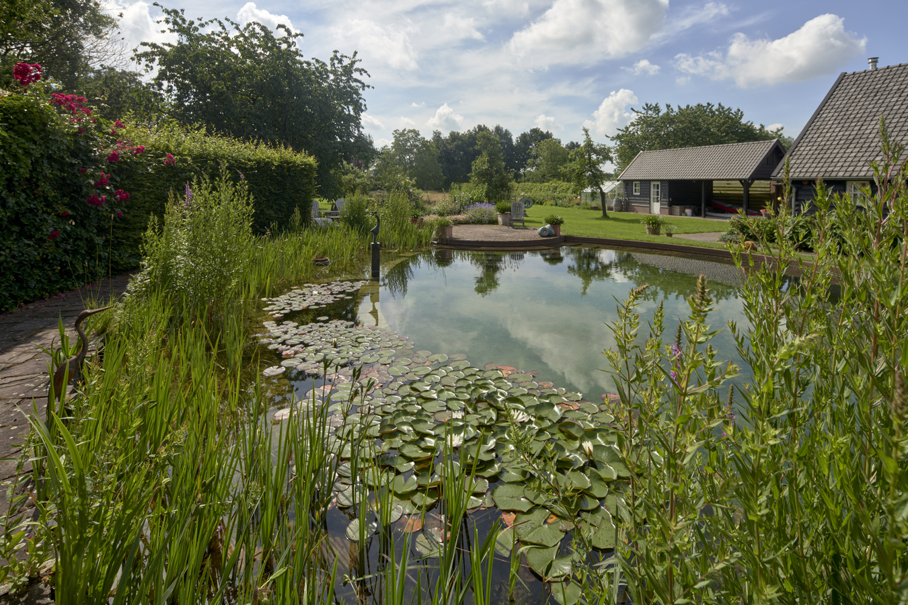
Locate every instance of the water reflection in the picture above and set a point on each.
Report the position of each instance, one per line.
(545, 310)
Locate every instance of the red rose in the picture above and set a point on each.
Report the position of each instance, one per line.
(53, 235)
(113, 157)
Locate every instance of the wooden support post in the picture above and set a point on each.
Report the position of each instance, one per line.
(702, 199)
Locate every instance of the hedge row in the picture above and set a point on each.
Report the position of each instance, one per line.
(77, 190)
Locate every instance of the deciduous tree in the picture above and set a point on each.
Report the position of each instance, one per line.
(249, 83)
(488, 169)
(586, 167)
(688, 126)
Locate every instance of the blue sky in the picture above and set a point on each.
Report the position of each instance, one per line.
(563, 64)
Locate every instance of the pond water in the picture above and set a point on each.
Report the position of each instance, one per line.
(545, 311)
(497, 355)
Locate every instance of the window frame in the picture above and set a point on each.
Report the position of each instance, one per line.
(636, 187)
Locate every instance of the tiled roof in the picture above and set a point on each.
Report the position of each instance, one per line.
(842, 137)
(734, 161)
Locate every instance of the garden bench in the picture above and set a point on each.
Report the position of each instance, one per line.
(321, 222)
(518, 213)
(336, 208)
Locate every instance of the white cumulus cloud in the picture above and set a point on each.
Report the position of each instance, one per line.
(445, 120)
(371, 121)
(819, 48)
(407, 122)
(613, 113)
(389, 44)
(461, 27)
(250, 13)
(137, 24)
(643, 66)
(545, 122)
(586, 31)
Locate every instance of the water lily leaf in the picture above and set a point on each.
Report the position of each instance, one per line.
(423, 500)
(606, 472)
(511, 496)
(545, 563)
(404, 486)
(598, 488)
(546, 535)
(567, 592)
(354, 528)
(504, 542)
(605, 535)
(530, 520)
(480, 485)
(428, 545)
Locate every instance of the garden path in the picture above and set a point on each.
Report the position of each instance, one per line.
(23, 365)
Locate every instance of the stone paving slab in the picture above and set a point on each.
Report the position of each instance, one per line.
(23, 365)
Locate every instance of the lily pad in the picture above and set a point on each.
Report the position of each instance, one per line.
(353, 529)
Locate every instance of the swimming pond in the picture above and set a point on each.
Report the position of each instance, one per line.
(544, 311)
(471, 363)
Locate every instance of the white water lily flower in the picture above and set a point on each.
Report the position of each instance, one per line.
(457, 414)
(587, 448)
(455, 440)
(519, 416)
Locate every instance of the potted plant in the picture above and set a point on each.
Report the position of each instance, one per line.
(669, 230)
(416, 218)
(504, 213)
(444, 228)
(653, 223)
(555, 221)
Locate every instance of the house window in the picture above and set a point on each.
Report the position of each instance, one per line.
(855, 189)
(636, 187)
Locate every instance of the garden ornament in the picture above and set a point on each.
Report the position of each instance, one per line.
(374, 230)
(72, 367)
(546, 231)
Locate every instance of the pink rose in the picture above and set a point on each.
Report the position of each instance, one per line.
(113, 157)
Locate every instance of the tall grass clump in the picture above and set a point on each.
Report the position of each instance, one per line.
(201, 250)
(793, 489)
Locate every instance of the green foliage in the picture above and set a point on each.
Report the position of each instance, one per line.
(688, 126)
(553, 219)
(123, 94)
(802, 498)
(200, 250)
(412, 156)
(585, 167)
(279, 180)
(488, 169)
(356, 215)
(355, 180)
(558, 192)
(66, 38)
(248, 83)
(653, 220)
(51, 239)
(503, 207)
(547, 162)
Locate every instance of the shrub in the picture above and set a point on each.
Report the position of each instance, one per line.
(446, 207)
(503, 207)
(481, 214)
(553, 219)
(653, 220)
(197, 255)
(355, 214)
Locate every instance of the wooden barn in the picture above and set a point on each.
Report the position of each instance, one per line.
(842, 137)
(667, 181)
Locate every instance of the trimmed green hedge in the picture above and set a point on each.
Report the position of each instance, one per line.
(279, 179)
(58, 160)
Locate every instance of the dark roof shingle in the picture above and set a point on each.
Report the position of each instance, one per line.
(733, 161)
(842, 137)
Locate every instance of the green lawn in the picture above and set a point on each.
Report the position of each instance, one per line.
(624, 225)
